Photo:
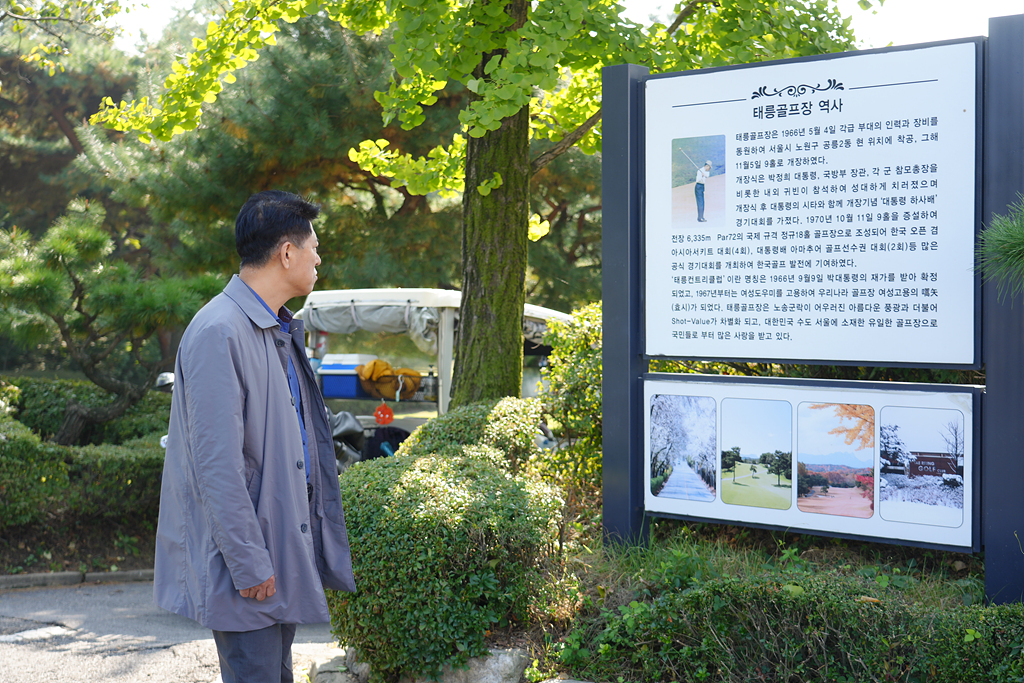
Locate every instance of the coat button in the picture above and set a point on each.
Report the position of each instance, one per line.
(299, 464)
(304, 528)
(279, 342)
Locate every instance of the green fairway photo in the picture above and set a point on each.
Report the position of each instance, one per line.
(757, 470)
(757, 488)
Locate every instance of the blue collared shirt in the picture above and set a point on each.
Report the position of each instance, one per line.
(293, 380)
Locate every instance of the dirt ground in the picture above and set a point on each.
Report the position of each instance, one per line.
(842, 502)
(94, 547)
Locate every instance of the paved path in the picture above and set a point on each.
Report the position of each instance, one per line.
(686, 485)
(113, 633)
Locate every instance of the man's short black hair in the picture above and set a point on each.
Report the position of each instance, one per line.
(269, 218)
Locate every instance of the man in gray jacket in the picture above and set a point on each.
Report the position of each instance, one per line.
(251, 526)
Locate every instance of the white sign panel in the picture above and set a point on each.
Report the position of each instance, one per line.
(885, 464)
(818, 211)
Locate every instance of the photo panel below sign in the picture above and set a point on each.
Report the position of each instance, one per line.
(892, 463)
(815, 210)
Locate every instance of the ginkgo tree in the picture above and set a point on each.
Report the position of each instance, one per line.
(534, 70)
(39, 30)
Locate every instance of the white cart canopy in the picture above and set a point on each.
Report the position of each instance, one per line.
(412, 311)
(428, 316)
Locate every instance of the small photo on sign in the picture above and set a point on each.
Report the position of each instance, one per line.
(757, 453)
(836, 459)
(683, 447)
(698, 182)
(921, 453)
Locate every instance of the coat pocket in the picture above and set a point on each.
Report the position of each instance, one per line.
(331, 500)
(253, 484)
(335, 563)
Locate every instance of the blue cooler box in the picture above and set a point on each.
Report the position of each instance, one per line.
(338, 375)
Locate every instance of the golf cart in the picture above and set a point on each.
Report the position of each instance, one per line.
(428, 316)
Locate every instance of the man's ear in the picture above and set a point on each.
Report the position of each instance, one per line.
(284, 254)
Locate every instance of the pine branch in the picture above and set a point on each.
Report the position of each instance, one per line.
(66, 128)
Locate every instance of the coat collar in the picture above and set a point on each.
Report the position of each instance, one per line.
(240, 293)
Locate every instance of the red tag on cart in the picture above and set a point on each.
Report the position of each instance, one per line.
(383, 414)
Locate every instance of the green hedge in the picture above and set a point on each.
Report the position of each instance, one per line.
(117, 481)
(444, 547)
(44, 483)
(41, 402)
(975, 644)
(33, 475)
(810, 628)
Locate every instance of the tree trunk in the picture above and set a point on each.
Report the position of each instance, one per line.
(489, 350)
(77, 417)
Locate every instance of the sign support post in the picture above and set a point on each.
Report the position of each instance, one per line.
(1002, 460)
(622, 389)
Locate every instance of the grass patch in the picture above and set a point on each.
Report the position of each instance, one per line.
(631, 599)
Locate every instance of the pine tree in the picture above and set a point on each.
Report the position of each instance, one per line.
(64, 290)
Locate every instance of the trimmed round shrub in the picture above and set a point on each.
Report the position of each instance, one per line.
(512, 429)
(444, 547)
(459, 426)
(509, 425)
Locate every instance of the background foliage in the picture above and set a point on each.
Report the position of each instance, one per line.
(40, 407)
(42, 483)
(533, 70)
(572, 398)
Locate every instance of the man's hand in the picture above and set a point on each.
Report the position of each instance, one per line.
(261, 592)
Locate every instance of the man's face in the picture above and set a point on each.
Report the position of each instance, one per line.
(303, 260)
(707, 167)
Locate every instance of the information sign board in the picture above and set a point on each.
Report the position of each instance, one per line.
(820, 210)
(856, 459)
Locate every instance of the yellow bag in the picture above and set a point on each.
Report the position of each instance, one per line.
(380, 380)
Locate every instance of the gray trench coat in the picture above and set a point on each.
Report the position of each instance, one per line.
(234, 509)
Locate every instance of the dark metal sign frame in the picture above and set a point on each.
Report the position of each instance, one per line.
(998, 347)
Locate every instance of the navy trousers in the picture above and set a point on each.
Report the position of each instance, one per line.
(698, 191)
(263, 656)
